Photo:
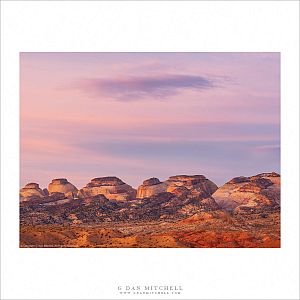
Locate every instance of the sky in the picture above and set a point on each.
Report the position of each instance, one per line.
(142, 115)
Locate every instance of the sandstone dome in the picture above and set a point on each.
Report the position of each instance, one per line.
(151, 181)
(31, 189)
(178, 185)
(62, 185)
(192, 182)
(151, 187)
(113, 188)
(242, 193)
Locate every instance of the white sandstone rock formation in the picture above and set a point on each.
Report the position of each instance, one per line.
(179, 185)
(62, 185)
(262, 190)
(112, 188)
(30, 190)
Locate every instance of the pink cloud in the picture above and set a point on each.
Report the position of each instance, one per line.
(62, 127)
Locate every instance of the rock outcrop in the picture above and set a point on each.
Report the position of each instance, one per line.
(105, 200)
(242, 194)
(112, 188)
(31, 190)
(151, 187)
(195, 182)
(62, 185)
(178, 185)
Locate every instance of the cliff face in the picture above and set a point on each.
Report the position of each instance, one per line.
(249, 193)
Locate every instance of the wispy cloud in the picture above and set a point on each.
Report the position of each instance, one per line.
(267, 149)
(138, 115)
(134, 88)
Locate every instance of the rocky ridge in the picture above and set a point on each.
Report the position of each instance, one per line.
(106, 199)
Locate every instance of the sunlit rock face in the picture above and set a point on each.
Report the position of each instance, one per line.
(177, 190)
(151, 187)
(30, 190)
(112, 188)
(194, 182)
(246, 193)
(178, 185)
(62, 185)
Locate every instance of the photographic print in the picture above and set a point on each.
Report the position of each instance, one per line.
(150, 150)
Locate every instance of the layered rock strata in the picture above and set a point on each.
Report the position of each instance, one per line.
(246, 193)
(62, 185)
(196, 182)
(150, 187)
(178, 185)
(112, 188)
(31, 190)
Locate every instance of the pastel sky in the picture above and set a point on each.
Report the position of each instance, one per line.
(142, 115)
